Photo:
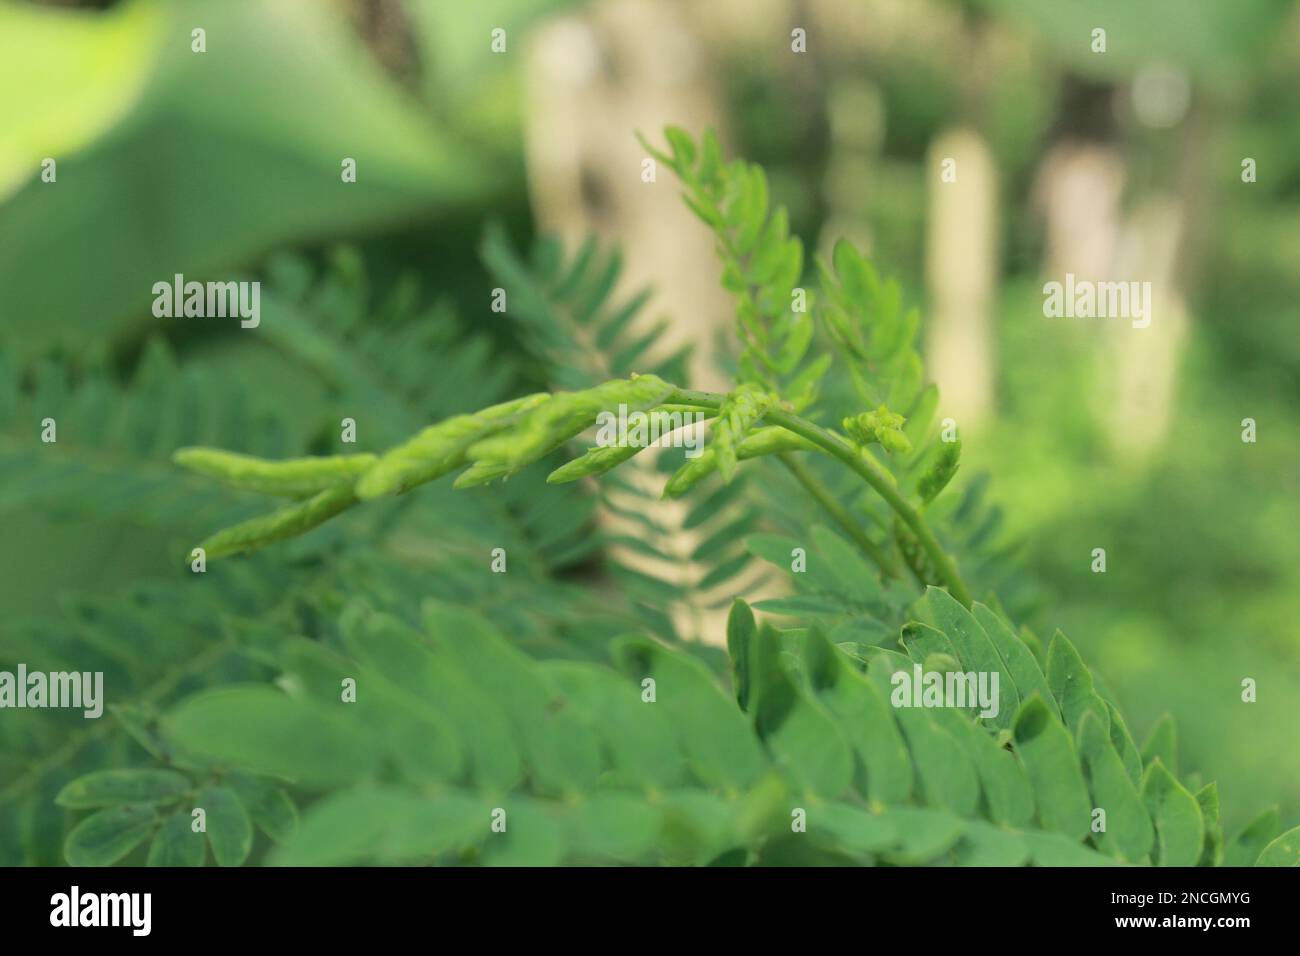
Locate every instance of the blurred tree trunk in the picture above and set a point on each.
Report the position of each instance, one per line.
(961, 265)
(1144, 361)
(1081, 190)
(962, 232)
(595, 78)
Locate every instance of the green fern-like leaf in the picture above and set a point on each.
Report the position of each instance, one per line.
(471, 699)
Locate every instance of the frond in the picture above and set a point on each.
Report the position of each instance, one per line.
(647, 759)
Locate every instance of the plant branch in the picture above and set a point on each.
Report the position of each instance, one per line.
(817, 488)
(881, 482)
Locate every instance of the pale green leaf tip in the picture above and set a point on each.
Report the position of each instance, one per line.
(475, 476)
(672, 491)
(185, 456)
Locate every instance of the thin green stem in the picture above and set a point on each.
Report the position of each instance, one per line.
(880, 481)
(817, 488)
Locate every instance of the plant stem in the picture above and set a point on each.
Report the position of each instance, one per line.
(827, 500)
(881, 482)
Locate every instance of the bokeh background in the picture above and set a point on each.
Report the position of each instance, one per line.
(1126, 164)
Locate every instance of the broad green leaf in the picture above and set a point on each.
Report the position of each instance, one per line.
(561, 749)
(414, 736)
(719, 745)
(922, 640)
(1053, 849)
(974, 650)
(923, 834)
(861, 630)
(865, 717)
(789, 850)
(384, 825)
(1045, 749)
(696, 827)
(422, 827)
(800, 606)
(92, 70)
(955, 682)
(1018, 658)
(774, 548)
(108, 788)
(843, 826)
(612, 826)
(1284, 851)
(436, 677)
(1007, 792)
(263, 730)
(1122, 741)
(282, 94)
(638, 738)
(1176, 815)
(141, 723)
(1162, 745)
(853, 577)
(1246, 846)
(341, 829)
(315, 671)
(230, 831)
(764, 808)
(1207, 798)
(1031, 641)
(176, 843)
(983, 844)
(267, 804)
(831, 590)
(944, 771)
(801, 736)
(532, 837)
(740, 637)
(1071, 684)
(1129, 834)
(106, 836)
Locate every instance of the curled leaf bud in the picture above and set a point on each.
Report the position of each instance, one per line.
(480, 473)
(759, 442)
(291, 478)
(940, 472)
(881, 426)
(439, 449)
(552, 423)
(690, 474)
(771, 441)
(740, 410)
(288, 522)
(596, 461)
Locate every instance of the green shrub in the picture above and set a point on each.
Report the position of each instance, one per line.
(427, 726)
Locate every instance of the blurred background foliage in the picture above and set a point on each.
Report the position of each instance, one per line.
(1126, 164)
